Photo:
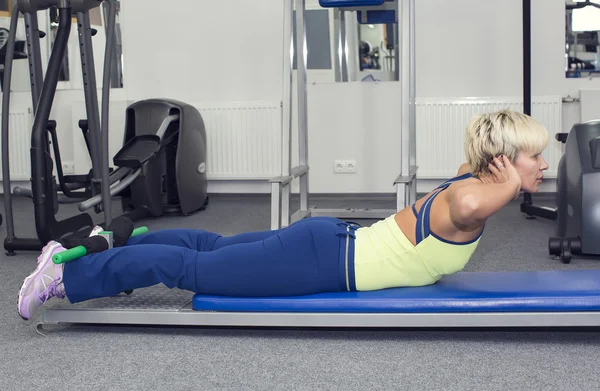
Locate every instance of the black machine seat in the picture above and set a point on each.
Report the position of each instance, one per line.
(138, 151)
(141, 148)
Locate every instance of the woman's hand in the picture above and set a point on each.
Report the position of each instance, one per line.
(504, 172)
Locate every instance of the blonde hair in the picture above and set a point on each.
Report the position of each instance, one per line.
(503, 132)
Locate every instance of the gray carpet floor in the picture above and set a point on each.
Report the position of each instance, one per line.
(158, 358)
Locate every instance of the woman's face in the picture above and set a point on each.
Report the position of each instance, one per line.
(531, 168)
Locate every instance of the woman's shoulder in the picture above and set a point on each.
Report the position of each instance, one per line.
(464, 169)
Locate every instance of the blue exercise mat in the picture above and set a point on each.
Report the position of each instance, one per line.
(555, 291)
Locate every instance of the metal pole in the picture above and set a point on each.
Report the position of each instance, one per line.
(10, 50)
(90, 96)
(41, 172)
(397, 51)
(403, 60)
(36, 73)
(527, 57)
(287, 102)
(288, 83)
(337, 41)
(341, 48)
(527, 69)
(344, 34)
(104, 158)
(302, 100)
(412, 153)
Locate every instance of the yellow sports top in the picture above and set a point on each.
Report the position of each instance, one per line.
(385, 258)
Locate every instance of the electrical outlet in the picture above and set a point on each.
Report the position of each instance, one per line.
(344, 166)
(351, 166)
(68, 168)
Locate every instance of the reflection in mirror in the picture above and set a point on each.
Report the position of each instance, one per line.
(376, 49)
(582, 48)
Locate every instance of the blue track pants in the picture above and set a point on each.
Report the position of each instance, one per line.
(313, 255)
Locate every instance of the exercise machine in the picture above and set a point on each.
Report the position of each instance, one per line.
(578, 185)
(566, 298)
(397, 12)
(161, 167)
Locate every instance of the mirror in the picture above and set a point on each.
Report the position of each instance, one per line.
(582, 47)
(98, 21)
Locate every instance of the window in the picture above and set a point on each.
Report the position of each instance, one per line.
(6, 7)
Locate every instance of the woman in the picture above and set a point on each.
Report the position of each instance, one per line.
(417, 246)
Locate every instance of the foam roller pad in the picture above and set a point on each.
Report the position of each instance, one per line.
(565, 290)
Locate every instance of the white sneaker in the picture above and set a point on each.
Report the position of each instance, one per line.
(97, 229)
(44, 283)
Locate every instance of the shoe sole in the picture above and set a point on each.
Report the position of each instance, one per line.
(28, 280)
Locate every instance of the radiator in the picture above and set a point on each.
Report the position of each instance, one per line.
(441, 124)
(19, 128)
(243, 140)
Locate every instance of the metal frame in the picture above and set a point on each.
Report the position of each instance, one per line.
(161, 306)
(527, 205)
(188, 317)
(406, 182)
(341, 45)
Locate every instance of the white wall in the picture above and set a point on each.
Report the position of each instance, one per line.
(206, 53)
(468, 48)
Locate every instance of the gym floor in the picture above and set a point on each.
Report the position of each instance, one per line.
(140, 358)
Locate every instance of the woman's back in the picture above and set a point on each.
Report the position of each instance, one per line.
(415, 247)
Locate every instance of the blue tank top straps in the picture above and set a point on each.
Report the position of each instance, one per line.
(423, 229)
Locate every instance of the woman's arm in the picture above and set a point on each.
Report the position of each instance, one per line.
(473, 203)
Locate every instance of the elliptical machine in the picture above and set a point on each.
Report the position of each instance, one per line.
(160, 168)
(578, 186)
